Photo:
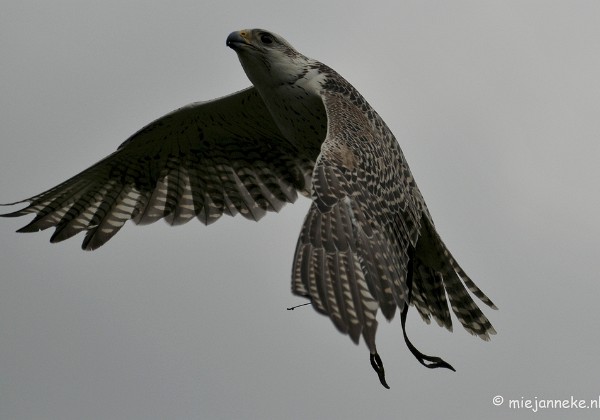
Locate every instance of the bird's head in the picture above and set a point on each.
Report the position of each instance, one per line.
(268, 59)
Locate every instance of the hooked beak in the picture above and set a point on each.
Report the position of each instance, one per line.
(237, 40)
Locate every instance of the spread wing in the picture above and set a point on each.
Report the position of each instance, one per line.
(204, 160)
(352, 254)
(368, 232)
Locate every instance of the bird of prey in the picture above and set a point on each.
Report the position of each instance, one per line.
(368, 242)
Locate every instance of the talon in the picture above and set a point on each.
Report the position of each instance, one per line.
(436, 362)
(378, 367)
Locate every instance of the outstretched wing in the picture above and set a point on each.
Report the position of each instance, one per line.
(368, 226)
(351, 258)
(204, 160)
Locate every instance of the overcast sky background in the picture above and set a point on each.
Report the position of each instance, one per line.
(497, 107)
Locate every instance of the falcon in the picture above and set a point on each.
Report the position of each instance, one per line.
(368, 242)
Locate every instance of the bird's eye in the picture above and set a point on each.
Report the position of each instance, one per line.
(266, 39)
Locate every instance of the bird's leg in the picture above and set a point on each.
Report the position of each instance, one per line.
(436, 362)
(378, 367)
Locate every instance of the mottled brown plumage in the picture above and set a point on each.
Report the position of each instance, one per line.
(368, 241)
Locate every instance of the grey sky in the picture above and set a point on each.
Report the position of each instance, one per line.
(496, 105)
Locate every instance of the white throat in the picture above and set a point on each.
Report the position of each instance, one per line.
(297, 108)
